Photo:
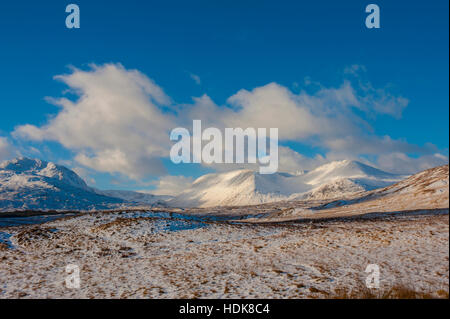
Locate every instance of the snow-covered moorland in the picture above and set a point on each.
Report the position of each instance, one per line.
(312, 248)
(121, 255)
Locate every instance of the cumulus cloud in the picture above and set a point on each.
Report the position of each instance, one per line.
(121, 120)
(365, 144)
(297, 116)
(273, 105)
(116, 124)
(84, 174)
(325, 119)
(400, 163)
(289, 161)
(293, 162)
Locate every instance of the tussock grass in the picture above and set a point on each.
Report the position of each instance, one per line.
(394, 292)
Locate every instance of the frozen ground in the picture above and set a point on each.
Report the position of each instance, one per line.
(134, 255)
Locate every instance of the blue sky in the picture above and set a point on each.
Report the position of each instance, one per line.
(217, 48)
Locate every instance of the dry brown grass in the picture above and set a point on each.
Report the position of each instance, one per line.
(395, 292)
(33, 235)
(3, 246)
(118, 222)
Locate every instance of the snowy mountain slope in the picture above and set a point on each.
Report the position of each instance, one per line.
(246, 187)
(346, 168)
(421, 192)
(30, 184)
(425, 189)
(342, 178)
(337, 187)
(21, 169)
(39, 185)
(135, 197)
(241, 187)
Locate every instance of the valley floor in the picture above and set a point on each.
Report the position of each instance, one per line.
(132, 255)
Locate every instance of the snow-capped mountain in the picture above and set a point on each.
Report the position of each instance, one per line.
(20, 171)
(342, 178)
(421, 192)
(31, 184)
(426, 189)
(246, 187)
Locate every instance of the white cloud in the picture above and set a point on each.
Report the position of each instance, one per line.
(116, 125)
(326, 119)
(366, 144)
(84, 174)
(273, 105)
(400, 163)
(297, 116)
(376, 100)
(171, 185)
(120, 122)
(292, 161)
(6, 149)
(384, 102)
(196, 78)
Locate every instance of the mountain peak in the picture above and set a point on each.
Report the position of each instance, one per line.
(39, 185)
(37, 167)
(246, 187)
(22, 164)
(347, 169)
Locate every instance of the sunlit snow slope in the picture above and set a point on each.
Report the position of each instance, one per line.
(246, 187)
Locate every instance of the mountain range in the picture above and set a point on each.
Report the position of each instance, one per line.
(246, 187)
(32, 184)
